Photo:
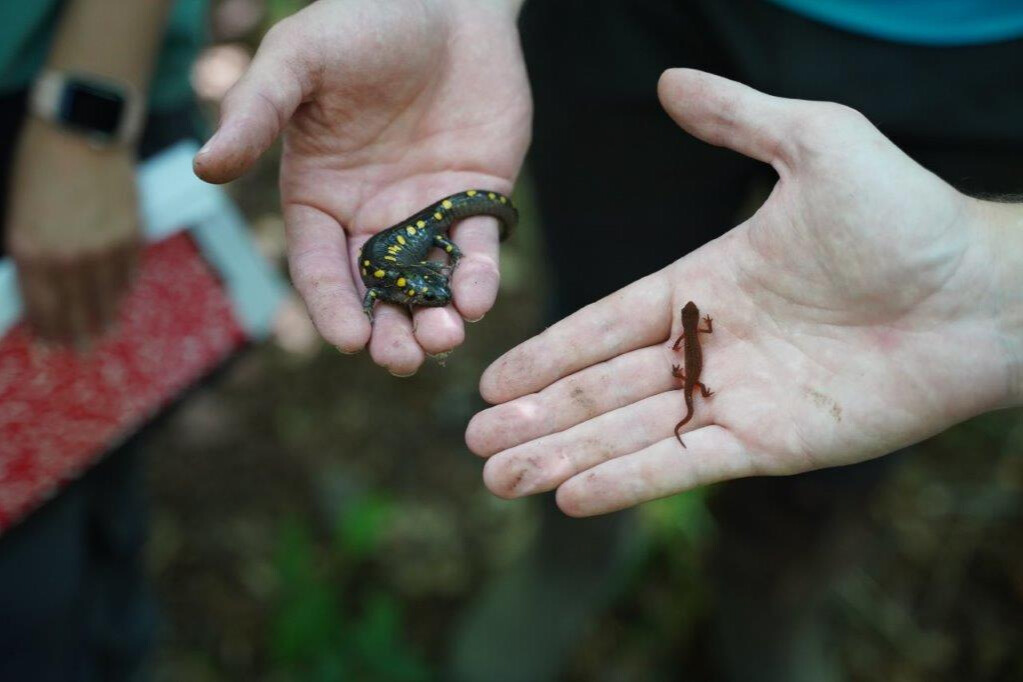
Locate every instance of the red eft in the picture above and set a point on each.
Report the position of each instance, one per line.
(693, 355)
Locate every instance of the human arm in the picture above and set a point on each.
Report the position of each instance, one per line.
(72, 224)
(386, 107)
(865, 306)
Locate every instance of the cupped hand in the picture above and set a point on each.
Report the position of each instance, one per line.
(387, 107)
(854, 313)
(72, 230)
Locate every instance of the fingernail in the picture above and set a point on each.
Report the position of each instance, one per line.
(342, 351)
(206, 147)
(477, 319)
(401, 376)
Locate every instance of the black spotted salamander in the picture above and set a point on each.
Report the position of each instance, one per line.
(393, 262)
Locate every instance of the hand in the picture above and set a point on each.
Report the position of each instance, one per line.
(388, 107)
(856, 312)
(73, 231)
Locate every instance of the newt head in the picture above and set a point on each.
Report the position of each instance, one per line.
(690, 313)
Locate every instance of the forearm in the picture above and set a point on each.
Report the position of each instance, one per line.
(1002, 225)
(110, 38)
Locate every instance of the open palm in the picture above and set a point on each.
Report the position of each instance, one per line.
(387, 108)
(846, 311)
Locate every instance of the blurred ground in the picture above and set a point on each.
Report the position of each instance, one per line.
(317, 519)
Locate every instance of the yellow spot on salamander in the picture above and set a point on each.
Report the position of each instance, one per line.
(411, 292)
(400, 281)
(424, 290)
(446, 203)
(448, 248)
(401, 240)
(379, 274)
(438, 216)
(372, 293)
(364, 272)
(411, 230)
(391, 258)
(471, 193)
(366, 263)
(421, 224)
(491, 196)
(394, 248)
(503, 200)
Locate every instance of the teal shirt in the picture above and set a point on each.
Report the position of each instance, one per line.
(27, 26)
(920, 22)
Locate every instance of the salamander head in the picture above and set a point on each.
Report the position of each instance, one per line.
(425, 287)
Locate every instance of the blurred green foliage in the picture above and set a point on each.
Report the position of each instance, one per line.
(321, 630)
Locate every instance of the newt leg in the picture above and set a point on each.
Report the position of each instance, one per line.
(678, 341)
(704, 391)
(710, 325)
(676, 371)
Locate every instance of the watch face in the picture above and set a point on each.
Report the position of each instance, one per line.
(92, 107)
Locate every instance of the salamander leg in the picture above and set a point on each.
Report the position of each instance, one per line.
(436, 266)
(678, 341)
(367, 303)
(710, 325)
(704, 391)
(676, 371)
(449, 248)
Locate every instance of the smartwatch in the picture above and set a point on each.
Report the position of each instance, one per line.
(107, 112)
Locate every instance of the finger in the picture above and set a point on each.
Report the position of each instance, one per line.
(116, 280)
(547, 462)
(40, 300)
(320, 266)
(601, 388)
(110, 277)
(256, 109)
(72, 287)
(393, 345)
(630, 318)
(726, 113)
(96, 294)
(712, 454)
(438, 330)
(475, 281)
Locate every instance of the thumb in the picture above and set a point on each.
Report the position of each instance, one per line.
(256, 109)
(728, 114)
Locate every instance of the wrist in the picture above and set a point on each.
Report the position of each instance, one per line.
(1000, 227)
(66, 196)
(104, 111)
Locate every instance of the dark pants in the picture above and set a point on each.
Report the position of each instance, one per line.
(610, 167)
(73, 598)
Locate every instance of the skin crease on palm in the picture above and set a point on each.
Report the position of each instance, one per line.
(862, 308)
(388, 106)
(865, 306)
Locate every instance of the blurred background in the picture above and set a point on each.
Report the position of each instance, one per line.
(315, 518)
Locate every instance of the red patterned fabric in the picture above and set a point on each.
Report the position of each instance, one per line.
(61, 409)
